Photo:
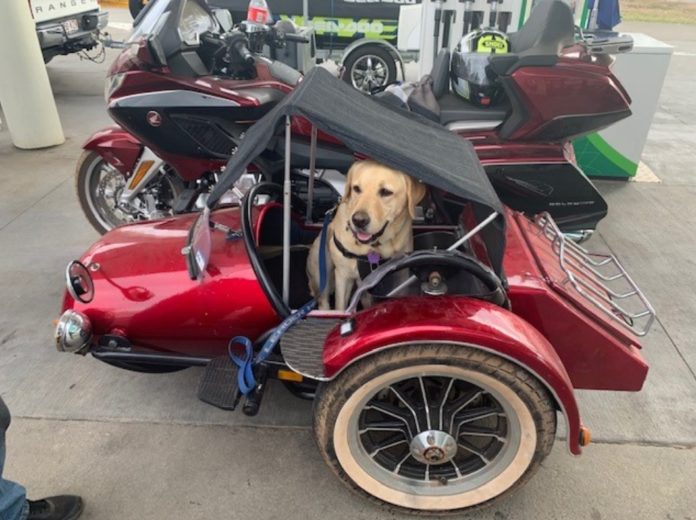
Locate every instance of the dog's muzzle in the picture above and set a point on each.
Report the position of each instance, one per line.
(367, 238)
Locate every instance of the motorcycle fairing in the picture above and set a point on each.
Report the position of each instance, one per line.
(117, 147)
(187, 120)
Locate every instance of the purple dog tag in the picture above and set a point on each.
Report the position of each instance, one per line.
(373, 257)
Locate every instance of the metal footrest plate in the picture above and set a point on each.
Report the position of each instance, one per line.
(218, 384)
(302, 346)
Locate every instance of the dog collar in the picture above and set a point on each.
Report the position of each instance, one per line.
(366, 263)
(349, 254)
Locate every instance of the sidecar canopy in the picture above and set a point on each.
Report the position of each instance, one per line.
(394, 137)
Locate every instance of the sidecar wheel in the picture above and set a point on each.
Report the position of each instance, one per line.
(434, 428)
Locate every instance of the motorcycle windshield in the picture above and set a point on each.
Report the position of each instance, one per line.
(201, 246)
(146, 25)
(194, 21)
(189, 19)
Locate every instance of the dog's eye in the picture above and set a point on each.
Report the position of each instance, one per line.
(384, 192)
(357, 189)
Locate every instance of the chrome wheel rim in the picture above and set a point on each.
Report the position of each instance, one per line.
(369, 72)
(384, 421)
(103, 187)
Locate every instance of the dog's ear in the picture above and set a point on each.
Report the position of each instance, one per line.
(414, 194)
(355, 167)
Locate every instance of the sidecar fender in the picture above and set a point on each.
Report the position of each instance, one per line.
(461, 321)
(117, 147)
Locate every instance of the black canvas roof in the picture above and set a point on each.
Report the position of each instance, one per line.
(399, 139)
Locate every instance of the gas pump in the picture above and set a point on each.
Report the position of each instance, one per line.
(438, 24)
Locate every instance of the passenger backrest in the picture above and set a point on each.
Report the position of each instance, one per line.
(440, 74)
(549, 28)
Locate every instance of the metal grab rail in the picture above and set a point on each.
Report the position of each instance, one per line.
(600, 279)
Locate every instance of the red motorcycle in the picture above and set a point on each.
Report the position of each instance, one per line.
(183, 102)
(441, 395)
(188, 91)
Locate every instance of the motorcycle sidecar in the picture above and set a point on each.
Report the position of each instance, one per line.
(443, 394)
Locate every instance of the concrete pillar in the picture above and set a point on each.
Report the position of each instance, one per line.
(25, 92)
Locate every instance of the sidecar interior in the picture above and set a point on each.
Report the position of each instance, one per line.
(461, 272)
(461, 212)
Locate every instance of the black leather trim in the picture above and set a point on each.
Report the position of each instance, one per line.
(506, 64)
(440, 74)
(500, 64)
(427, 258)
(453, 108)
(534, 60)
(248, 237)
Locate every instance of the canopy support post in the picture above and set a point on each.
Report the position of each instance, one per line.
(312, 170)
(490, 218)
(286, 213)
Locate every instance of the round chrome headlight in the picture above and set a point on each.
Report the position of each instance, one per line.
(73, 332)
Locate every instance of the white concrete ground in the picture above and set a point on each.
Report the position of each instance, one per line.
(143, 447)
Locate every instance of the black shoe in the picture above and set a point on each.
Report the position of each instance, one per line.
(65, 507)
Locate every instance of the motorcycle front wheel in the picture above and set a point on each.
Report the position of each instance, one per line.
(99, 186)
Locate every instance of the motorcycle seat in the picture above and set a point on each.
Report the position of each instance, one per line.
(548, 30)
(454, 109)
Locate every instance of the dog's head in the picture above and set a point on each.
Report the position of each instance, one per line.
(377, 196)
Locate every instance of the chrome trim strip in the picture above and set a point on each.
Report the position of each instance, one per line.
(172, 99)
(473, 125)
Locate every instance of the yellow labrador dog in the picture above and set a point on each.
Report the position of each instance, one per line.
(374, 218)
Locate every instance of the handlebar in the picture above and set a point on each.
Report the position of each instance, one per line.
(290, 37)
(211, 39)
(247, 39)
(241, 48)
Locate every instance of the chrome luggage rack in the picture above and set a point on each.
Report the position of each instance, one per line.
(600, 279)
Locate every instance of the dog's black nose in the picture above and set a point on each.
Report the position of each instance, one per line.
(360, 219)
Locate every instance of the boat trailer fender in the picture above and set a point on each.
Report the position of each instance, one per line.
(117, 147)
(463, 321)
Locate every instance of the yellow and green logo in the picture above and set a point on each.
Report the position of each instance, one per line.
(492, 43)
(349, 27)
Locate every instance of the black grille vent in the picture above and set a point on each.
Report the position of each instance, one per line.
(208, 135)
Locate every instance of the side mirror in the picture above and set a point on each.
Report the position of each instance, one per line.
(156, 51)
(154, 44)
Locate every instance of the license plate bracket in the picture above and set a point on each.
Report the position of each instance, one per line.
(71, 26)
